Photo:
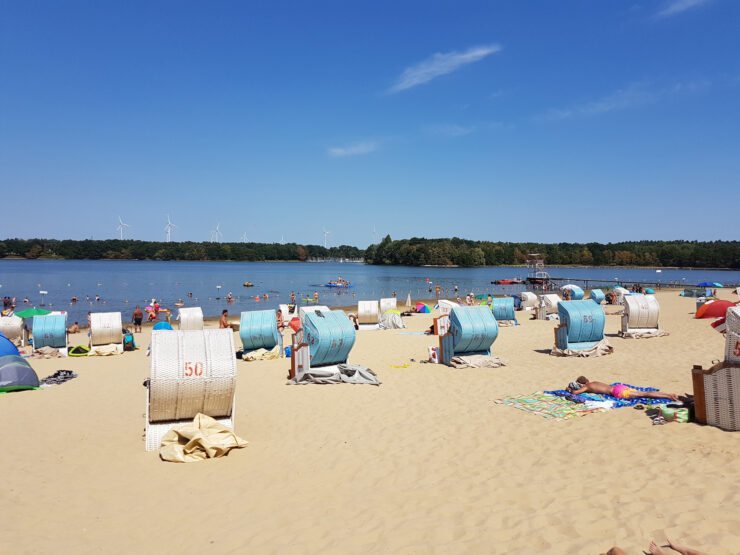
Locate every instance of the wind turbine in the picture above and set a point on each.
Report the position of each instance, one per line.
(169, 227)
(216, 234)
(282, 239)
(120, 227)
(325, 234)
(244, 237)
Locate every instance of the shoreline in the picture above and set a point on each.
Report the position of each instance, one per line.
(574, 266)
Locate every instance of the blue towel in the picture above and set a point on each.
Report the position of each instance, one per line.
(618, 402)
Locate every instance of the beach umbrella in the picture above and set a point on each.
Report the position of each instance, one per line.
(648, 290)
(481, 297)
(709, 284)
(423, 308)
(570, 286)
(408, 300)
(162, 326)
(31, 312)
(713, 309)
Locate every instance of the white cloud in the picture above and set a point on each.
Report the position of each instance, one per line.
(679, 6)
(449, 130)
(440, 64)
(352, 150)
(634, 95)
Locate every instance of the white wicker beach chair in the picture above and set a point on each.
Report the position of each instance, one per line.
(387, 304)
(12, 327)
(190, 318)
(641, 313)
(106, 328)
(302, 311)
(445, 306)
(368, 315)
(548, 305)
(287, 314)
(717, 395)
(192, 371)
(529, 300)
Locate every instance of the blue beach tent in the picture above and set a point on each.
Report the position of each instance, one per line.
(7, 347)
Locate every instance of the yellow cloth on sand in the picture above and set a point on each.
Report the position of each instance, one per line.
(262, 354)
(204, 438)
(105, 350)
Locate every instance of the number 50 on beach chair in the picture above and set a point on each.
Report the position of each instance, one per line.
(192, 371)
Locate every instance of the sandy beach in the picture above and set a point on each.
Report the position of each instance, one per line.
(426, 463)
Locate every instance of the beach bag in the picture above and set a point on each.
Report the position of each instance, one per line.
(677, 414)
(128, 342)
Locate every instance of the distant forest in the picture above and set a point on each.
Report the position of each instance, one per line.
(115, 249)
(461, 252)
(411, 252)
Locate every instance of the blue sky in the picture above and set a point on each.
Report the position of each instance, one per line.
(513, 121)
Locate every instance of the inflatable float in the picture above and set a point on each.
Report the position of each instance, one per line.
(340, 286)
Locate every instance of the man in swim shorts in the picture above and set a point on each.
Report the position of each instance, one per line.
(137, 317)
(223, 323)
(621, 391)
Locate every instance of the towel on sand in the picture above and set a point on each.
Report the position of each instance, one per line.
(262, 354)
(105, 350)
(600, 349)
(477, 361)
(642, 334)
(547, 406)
(46, 352)
(341, 373)
(204, 438)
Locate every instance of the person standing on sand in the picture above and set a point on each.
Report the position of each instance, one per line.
(280, 320)
(316, 296)
(137, 317)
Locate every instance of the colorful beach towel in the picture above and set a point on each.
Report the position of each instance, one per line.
(547, 405)
(618, 401)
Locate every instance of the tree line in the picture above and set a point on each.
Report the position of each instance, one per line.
(116, 249)
(462, 252)
(410, 252)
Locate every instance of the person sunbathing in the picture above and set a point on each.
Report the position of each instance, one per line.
(655, 549)
(621, 391)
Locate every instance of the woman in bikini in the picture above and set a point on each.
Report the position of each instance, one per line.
(620, 391)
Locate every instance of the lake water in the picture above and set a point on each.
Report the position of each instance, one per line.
(122, 285)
